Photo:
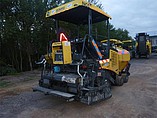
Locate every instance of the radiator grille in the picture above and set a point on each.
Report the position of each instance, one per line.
(114, 59)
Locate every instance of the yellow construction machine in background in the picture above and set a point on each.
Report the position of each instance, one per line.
(114, 43)
(143, 45)
(129, 45)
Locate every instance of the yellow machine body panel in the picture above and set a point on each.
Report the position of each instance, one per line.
(118, 60)
(61, 52)
(148, 43)
(124, 55)
(114, 63)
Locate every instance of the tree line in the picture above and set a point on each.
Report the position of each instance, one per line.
(25, 32)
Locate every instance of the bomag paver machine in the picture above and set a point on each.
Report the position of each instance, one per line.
(143, 45)
(79, 69)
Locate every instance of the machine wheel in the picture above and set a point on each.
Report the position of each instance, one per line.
(133, 55)
(147, 56)
(107, 90)
(126, 79)
(137, 56)
(119, 81)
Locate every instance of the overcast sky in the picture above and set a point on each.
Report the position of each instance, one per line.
(133, 15)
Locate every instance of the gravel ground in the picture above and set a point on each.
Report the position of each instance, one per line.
(135, 99)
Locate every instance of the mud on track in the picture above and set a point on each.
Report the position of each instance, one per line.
(135, 99)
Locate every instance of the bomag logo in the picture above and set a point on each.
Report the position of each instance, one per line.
(87, 4)
(60, 9)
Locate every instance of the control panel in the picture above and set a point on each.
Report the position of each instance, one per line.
(61, 52)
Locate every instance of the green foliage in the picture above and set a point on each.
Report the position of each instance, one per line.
(5, 70)
(120, 34)
(24, 32)
(4, 84)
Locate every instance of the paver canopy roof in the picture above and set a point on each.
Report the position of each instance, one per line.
(76, 12)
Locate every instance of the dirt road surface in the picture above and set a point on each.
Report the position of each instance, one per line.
(135, 99)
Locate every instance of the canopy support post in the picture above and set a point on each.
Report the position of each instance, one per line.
(57, 28)
(78, 31)
(90, 23)
(108, 39)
